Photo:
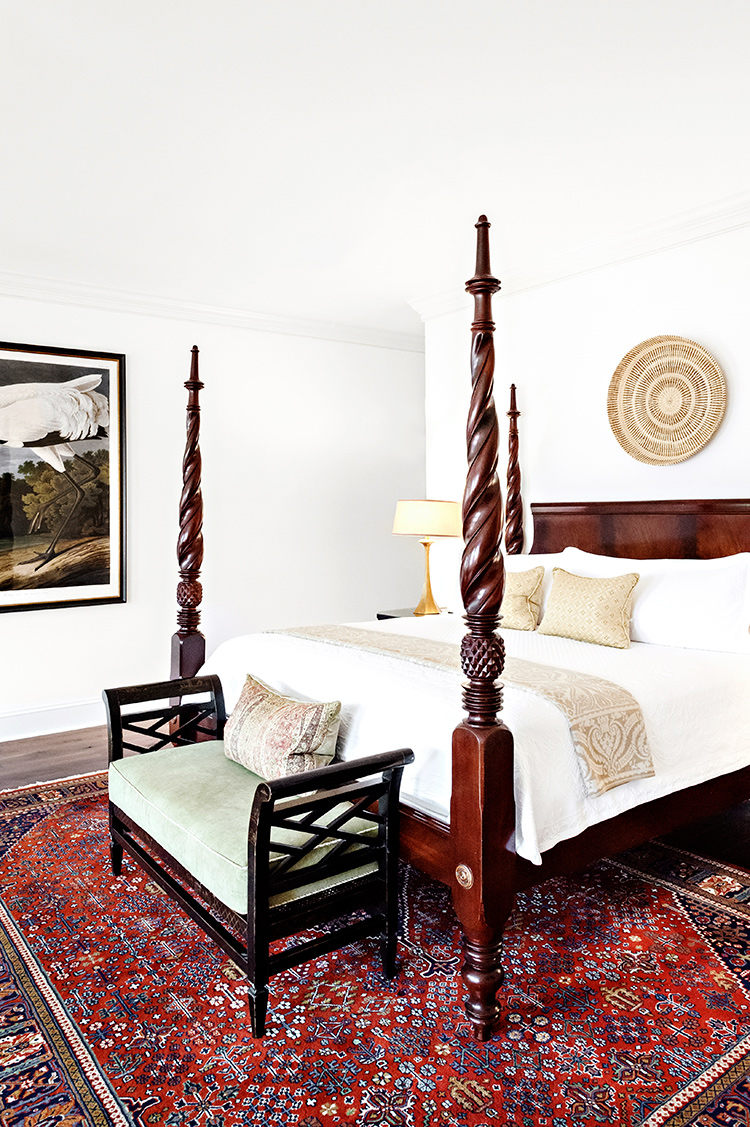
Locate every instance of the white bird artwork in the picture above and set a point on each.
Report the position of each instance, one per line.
(46, 418)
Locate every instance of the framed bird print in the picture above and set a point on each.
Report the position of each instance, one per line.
(62, 477)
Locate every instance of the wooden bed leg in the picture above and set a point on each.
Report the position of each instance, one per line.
(482, 802)
(485, 866)
(188, 644)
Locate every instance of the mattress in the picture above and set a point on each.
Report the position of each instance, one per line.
(695, 703)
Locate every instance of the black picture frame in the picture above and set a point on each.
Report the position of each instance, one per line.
(62, 477)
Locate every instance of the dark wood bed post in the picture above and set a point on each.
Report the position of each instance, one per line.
(482, 804)
(513, 499)
(188, 644)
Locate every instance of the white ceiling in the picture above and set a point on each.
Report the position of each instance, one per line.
(327, 159)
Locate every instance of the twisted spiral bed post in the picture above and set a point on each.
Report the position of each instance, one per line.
(482, 570)
(188, 644)
(513, 499)
(482, 806)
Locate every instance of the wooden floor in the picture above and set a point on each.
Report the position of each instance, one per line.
(52, 757)
(725, 836)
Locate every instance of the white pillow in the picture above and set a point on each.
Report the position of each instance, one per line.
(696, 604)
(523, 562)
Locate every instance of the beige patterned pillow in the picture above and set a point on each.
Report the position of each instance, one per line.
(520, 606)
(274, 735)
(590, 610)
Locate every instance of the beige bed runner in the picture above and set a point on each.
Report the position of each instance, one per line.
(606, 723)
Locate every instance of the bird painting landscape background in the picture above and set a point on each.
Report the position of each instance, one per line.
(54, 475)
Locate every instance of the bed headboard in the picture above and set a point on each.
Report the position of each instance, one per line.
(645, 529)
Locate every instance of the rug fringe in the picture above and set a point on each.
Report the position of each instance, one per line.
(51, 782)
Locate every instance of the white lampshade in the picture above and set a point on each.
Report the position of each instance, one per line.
(427, 518)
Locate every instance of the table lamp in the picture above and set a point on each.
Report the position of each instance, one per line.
(427, 519)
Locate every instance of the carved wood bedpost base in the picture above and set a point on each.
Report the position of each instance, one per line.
(485, 867)
(187, 656)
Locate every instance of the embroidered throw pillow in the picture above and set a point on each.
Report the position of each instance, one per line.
(521, 599)
(275, 735)
(590, 610)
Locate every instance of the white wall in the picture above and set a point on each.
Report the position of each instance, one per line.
(560, 344)
(306, 446)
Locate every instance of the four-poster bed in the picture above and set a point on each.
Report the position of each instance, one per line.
(476, 852)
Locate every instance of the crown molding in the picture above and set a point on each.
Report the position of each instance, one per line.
(450, 301)
(705, 222)
(150, 305)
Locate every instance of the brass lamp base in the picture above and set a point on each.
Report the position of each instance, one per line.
(427, 604)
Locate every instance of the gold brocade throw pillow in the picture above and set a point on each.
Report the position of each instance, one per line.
(520, 606)
(590, 610)
(275, 735)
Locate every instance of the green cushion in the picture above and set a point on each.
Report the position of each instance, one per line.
(195, 802)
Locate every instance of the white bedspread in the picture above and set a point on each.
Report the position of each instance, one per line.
(696, 705)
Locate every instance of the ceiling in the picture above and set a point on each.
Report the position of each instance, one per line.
(326, 159)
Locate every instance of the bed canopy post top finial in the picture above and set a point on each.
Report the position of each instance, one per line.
(484, 283)
(194, 383)
(188, 644)
(513, 413)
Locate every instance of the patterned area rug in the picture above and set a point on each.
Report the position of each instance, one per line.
(626, 1000)
(48, 1075)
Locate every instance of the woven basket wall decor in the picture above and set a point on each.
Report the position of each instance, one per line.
(666, 400)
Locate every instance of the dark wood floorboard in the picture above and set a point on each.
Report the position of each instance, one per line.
(57, 756)
(725, 837)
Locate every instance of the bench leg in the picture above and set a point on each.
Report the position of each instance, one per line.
(115, 849)
(258, 1000)
(388, 939)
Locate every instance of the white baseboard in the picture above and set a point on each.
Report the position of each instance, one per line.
(51, 718)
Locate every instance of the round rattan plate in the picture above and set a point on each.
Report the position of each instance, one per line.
(666, 400)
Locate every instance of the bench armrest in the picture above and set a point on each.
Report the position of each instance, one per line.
(342, 817)
(338, 774)
(177, 722)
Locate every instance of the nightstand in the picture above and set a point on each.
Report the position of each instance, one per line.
(407, 612)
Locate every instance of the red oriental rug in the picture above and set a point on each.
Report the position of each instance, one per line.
(48, 1074)
(626, 999)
